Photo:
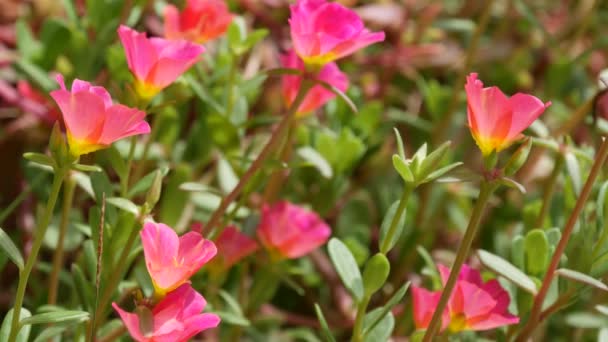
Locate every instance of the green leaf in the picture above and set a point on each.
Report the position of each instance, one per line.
(403, 169)
(24, 332)
(327, 335)
(396, 298)
(586, 320)
(512, 184)
(117, 161)
(124, 204)
(432, 160)
(383, 329)
(198, 187)
(35, 73)
(227, 178)
(504, 268)
(7, 245)
(39, 158)
(536, 248)
(346, 266)
(339, 93)
(29, 48)
(317, 160)
(87, 168)
(375, 273)
(232, 303)
(83, 287)
(574, 170)
(233, 319)
(400, 147)
(440, 172)
(581, 278)
(50, 332)
(386, 224)
(56, 317)
(146, 182)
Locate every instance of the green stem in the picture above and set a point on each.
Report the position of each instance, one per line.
(117, 271)
(392, 230)
(278, 177)
(487, 188)
(139, 169)
(261, 158)
(358, 328)
(68, 196)
(549, 190)
(535, 313)
(231, 85)
(39, 237)
(124, 180)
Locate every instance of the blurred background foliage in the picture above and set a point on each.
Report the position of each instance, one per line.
(219, 113)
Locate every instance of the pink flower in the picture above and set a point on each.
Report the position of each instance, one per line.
(474, 305)
(91, 120)
(317, 96)
(232, 246)
(200, 21)
(172, 260)
(156, 62)
(176, 318)
(323, 32)
(495, 120)
(289, 231)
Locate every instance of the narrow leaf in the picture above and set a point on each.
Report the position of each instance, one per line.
(24, 332)
(387, 307)
(386, 226)
(317, 160)
(56, 317)
(403, 169)
(507, 270)
(7, 245)
(124, 204)
(400, 147)
(324, 326)
(581, 278)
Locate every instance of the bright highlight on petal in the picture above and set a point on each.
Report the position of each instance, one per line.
(91, 120)
(495, 120)
(155, 62)
(324, 31)
(473, 305)
(317, 96)
(199, 22)
(176, 318)
(172, 260)
(289, 231)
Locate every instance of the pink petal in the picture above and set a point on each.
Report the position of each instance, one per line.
(195, 251)
(470, 300)
(161, 245)
(424, 304)
(141, 54)
(493, 321)
(198, 323)
(500, 295)
(526, 108)
(174, 58)
(83, 114)
(121, 122)
(131, 321)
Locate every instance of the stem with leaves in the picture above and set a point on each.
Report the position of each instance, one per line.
(43, 224)
(535, 314)
(68, 196)
(407, 191)
(278, 177)
(487, 188)
(549, 190)
(358, 328)
(259, 161)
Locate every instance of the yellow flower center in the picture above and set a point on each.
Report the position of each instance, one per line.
(458, 323)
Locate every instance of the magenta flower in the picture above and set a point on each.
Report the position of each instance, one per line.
(232, 246)
(317, 96)
(496, 120)
(172, 260)
(289, 231)
(323, 32)
(156, 62)
(200, 21)
(91, 120)
(474, 305)
(176, 318)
